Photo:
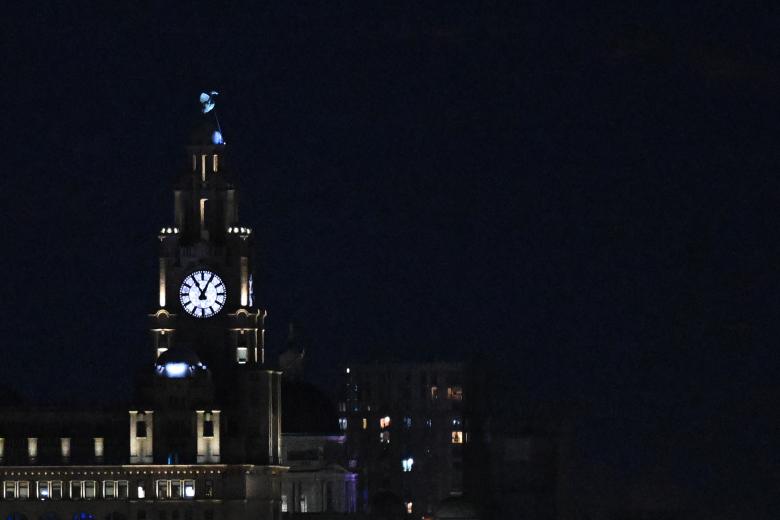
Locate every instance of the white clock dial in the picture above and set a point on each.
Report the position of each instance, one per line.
(202, 294)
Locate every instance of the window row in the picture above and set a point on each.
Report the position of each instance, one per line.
(385, 422)
(164, 489)
(456, 437)
(428, 392)
(57, 489)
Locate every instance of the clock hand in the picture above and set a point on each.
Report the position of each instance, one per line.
(202, 291)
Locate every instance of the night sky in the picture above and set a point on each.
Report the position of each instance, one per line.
(588, 199)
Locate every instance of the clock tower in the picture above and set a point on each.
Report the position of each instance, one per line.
(206, 310)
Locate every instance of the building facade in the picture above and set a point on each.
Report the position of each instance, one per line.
(202, 438)
(449, 440)
(407, 428)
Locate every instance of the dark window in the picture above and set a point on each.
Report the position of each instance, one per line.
(208, 488)
(208, 428)
(140, 429)
(208, 514)
(141, 515)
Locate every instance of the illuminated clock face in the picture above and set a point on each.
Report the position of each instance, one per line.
(202, 294)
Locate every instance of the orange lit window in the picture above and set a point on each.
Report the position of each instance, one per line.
(457, 437)
(365, 423)
(384, 422)
(455, 392)
(434, 392)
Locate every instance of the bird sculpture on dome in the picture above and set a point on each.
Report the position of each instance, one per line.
(208, 104)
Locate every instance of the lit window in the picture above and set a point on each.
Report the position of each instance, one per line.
(90, 489)
(365, 423)
(409, 508)
(384, 437)
(343, 423)
(342, 406)
(215, 163)
(43, 490)
(2, 448)
(162, 488)
(109, 489)
(98, 447)
(304, 504)
(141, 490)
(9, 489)
(189, 488)
(24, 489)
(384, 422)
(428, 423)
(284, 503)
(32, 447)
(406, 464)
(456, 422)
(434, 392)
(457, 437)
(56, 489)
(455, 393)
(241, 355)
(65, 447)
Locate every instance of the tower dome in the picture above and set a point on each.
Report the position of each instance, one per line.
(178, 363)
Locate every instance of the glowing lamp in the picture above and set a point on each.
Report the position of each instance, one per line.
(176, 370)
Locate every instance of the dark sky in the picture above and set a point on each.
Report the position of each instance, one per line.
(587, 197)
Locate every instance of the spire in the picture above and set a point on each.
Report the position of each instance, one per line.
(206, 204)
